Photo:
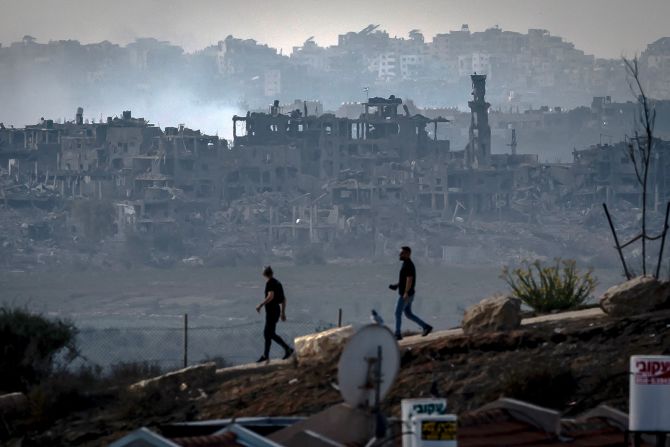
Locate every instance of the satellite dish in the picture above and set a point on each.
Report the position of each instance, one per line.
(368, 366)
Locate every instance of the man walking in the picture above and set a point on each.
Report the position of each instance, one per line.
(406, 287)
(275, 308)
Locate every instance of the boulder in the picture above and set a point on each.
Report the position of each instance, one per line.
(13, 404)
(192, 376)
(497, 313)
(326, 345)
(636, 296)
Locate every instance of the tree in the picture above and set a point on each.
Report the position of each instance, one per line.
(640, 151)
(640, 148)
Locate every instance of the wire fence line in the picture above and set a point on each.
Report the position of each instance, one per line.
(183, 345)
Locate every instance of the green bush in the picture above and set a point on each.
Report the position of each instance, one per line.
(547, 288)
(29, 344)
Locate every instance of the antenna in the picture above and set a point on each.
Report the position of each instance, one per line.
(368, 366)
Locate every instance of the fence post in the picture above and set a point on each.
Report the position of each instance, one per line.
(339, 317)
(185, 340)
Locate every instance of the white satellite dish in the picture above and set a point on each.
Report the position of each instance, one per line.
(368, 366)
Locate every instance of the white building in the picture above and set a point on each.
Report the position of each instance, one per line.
(479, 63)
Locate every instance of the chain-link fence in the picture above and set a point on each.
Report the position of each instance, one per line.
(174, 347)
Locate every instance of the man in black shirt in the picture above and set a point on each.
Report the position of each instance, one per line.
(275, 308)
(406, 287)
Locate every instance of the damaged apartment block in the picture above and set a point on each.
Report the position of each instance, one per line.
(297, 175)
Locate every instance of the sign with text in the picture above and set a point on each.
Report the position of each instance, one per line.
(649, 399)
(435, 431)
(438, 430)
(410, 409)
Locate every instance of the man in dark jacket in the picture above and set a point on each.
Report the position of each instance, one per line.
(406, 288)
(275, 308)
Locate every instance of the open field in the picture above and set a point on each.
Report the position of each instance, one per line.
(222, 296)
(137, 315)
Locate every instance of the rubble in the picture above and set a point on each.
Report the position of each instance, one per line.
(307, 187)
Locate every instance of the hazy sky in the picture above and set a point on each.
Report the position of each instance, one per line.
(606, 28)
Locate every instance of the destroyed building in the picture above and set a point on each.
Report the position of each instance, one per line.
(604, 173)
(295, 175)
(124, 159)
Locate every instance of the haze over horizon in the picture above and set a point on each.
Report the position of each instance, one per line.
(597, 27)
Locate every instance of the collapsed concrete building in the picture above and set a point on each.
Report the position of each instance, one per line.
(294, 175)
(604, 173)
(125, 159)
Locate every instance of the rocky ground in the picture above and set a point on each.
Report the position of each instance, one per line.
(569, 365)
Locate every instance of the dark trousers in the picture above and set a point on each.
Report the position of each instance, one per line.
(406, 307)
(270, 333)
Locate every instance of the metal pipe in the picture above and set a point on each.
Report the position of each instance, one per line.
(185, 340)
(616, 241)
(665, 232)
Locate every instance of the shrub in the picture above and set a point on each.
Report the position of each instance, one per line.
(29, 344)
(555, 287)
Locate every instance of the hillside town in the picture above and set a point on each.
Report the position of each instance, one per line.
(524, 70)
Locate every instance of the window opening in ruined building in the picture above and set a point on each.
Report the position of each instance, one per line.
(240, 128)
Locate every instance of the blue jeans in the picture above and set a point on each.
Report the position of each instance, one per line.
(406, 306)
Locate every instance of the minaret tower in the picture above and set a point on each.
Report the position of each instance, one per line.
(479, 148)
